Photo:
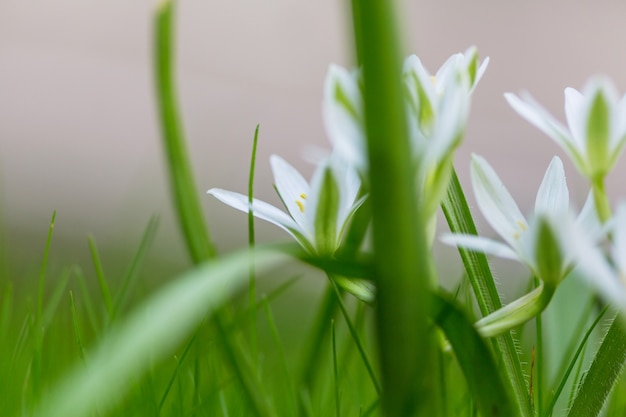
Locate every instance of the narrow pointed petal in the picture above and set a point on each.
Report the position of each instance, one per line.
(480, 244)
(589, 222)
(324, 208)
(553, 195)
(598, 131)
(292, 188)
(260, 209)
(342, 111)
(534, 113)
(495, 202)
(574, 114)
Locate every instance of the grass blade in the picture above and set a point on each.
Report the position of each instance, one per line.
(403, 259)
(557, 392)
(603, 373)
(104, 287)
(133, 272)
(184, 190)
(148, 334)
(460, 220)
(483, 378)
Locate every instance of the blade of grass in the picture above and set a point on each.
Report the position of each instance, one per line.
(283, 358)
(355, 336)
(557, 392)
(491, 395)
(460, 220)
(179, 362)
(102, 282)
(335, 370)
(405, 338)
(603, 373)
(44, 266)
(79, 340)
(133, 273)
(183, 187)
(148, 334)
(251, 241)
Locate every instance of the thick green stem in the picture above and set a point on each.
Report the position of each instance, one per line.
(402, 257)
(601, 200)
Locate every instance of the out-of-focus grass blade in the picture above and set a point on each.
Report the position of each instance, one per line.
(405, 279)
(557, 392)
(603, 373)
(184, 190)
(483, 378)
(79, 339)
(102, 282)
(133, 272)
(148, 334)
(460, 220)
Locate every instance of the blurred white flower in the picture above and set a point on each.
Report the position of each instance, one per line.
(596, 125)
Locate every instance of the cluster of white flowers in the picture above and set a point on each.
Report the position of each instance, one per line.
(550, 243)
(319, 212)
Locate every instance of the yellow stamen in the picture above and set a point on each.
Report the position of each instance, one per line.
(303, 196)
(521, 225)
(433, 79)
(300, 206)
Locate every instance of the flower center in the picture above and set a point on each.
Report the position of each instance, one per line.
(300, 203)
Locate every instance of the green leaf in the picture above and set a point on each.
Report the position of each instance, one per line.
(481, 372)
(183, 185)
(149, 334)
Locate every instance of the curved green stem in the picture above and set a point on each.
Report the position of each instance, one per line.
(516, 313)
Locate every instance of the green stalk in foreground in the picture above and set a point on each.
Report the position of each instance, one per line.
(185, 194)
(405, 335)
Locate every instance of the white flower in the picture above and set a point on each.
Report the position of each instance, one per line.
(317, 212)
(608, 277)
(596, 119)
(540, 243)
(437, 110)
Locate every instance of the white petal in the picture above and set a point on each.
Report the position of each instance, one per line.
(480, 244)
(292, 188)
(260, 209)
(534, 113)
(588, 221)
(595, 269)
(495, 202)
(342, 111)
(574, 113)
(553, 196)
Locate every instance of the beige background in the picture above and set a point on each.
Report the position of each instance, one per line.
(77, 123)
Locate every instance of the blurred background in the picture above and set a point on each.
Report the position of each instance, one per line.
(78, 127)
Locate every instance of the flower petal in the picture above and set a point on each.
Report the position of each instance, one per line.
(342, 111)
(619, 241)
(292, 188)
(495, 202)
(263, 211)
(553, 195)
(480, 244)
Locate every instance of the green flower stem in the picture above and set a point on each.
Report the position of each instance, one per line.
(184, 190)
(601, 200)
(516, 313)
(406, 339)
